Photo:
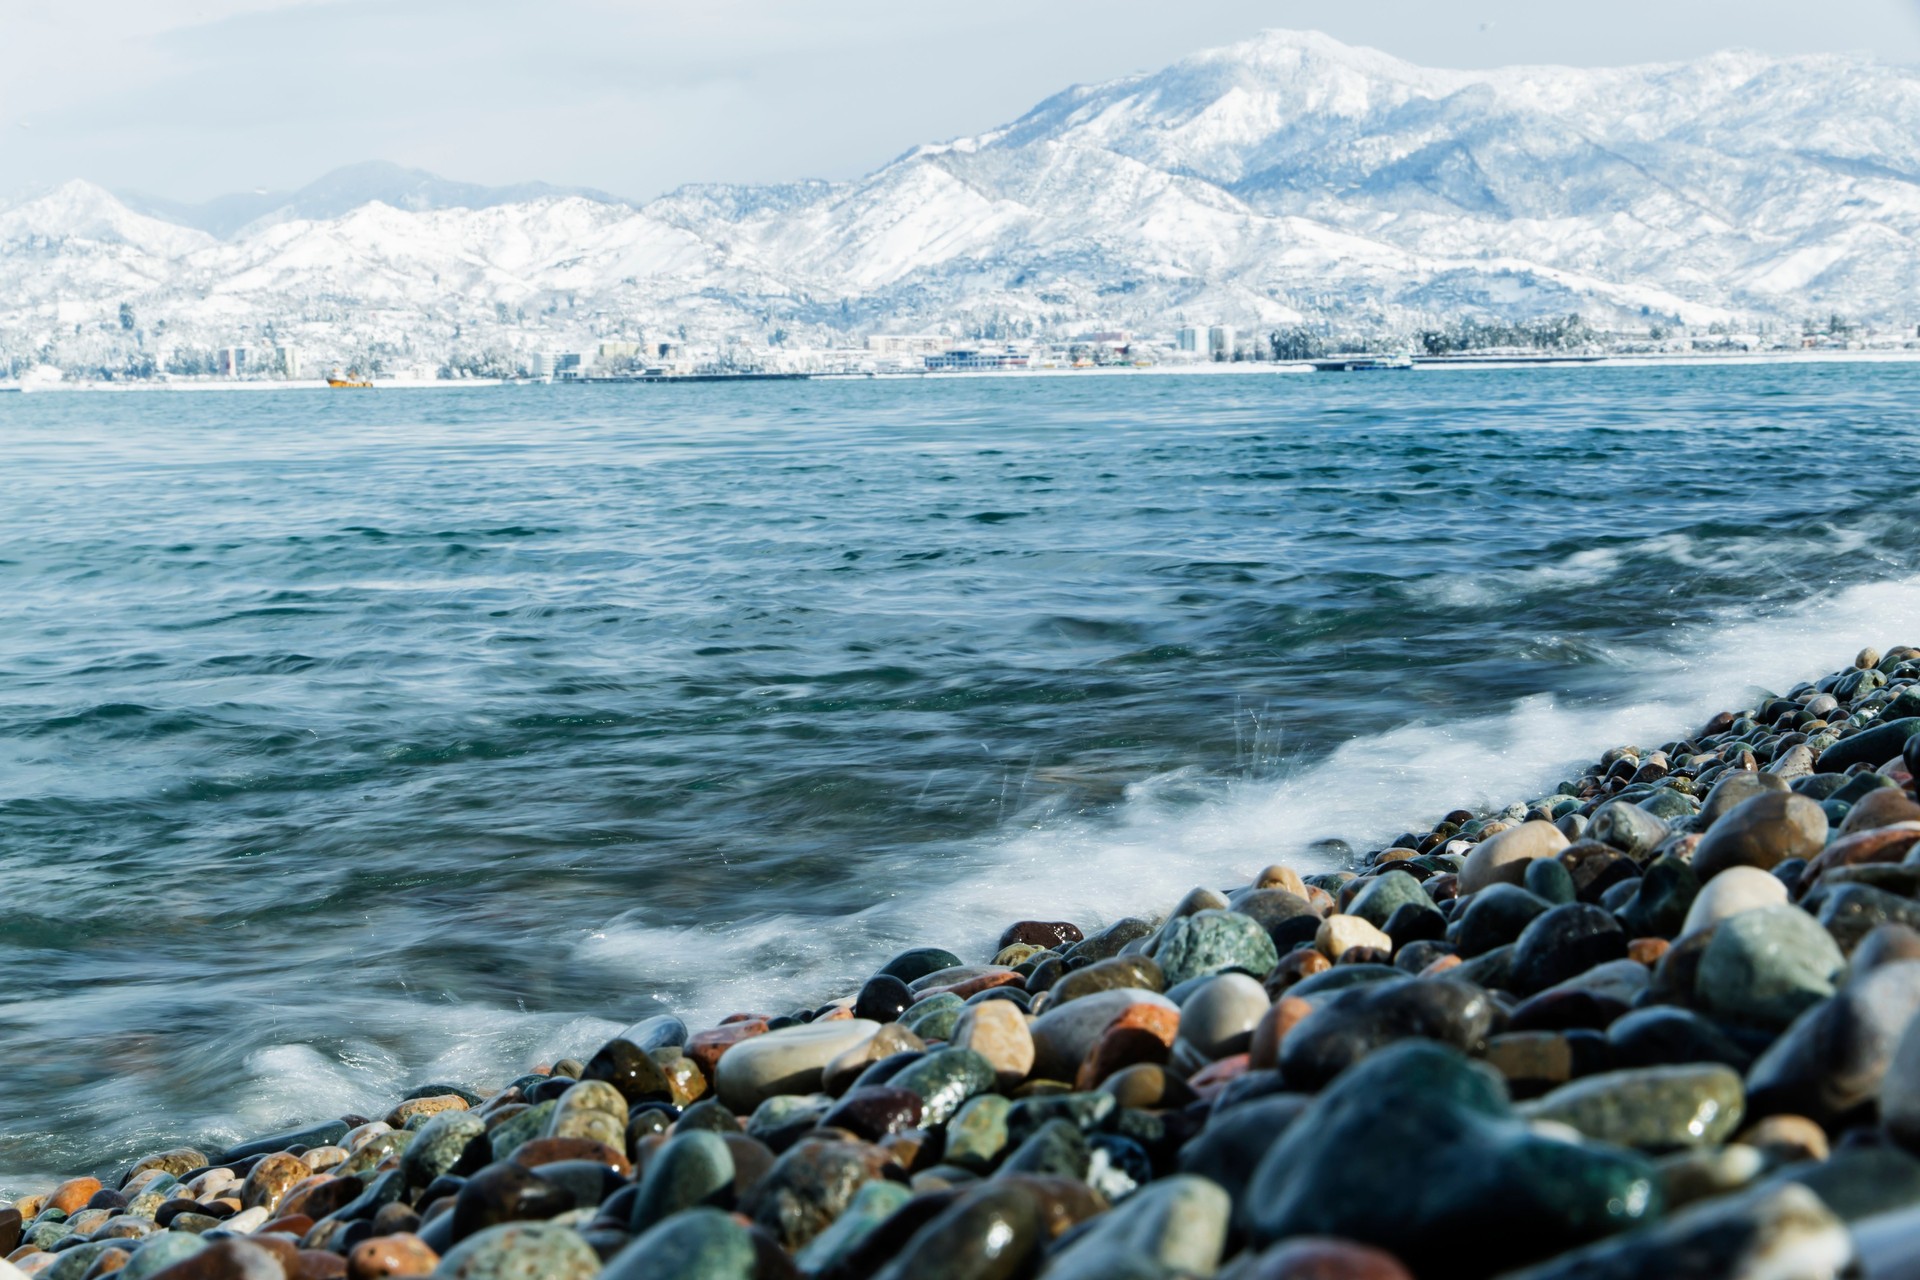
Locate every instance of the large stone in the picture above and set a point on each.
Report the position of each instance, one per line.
(1494, 917)
(1652, 1108)
(997, 1031)
(630, 1069)
(1503, 859)
(1384, 894)
(992, 1233)
(1564, 943)
(699, 1244)
(691, 1169)
(1339, 934)
(945, 1079)
(1627, 827)
(1872, 746)
(1780, 1233)
(1661, 900)
(1733, 789)
(521, 1251)
(1219, 1018)
(811, 1185)
(451, 1142)
(1765, 968)
(1352, 1024)
(1733, 891)
(1062, 1036)
(1664, 1035)
(1900, 1090)
(1464, 1172)
(786, 1061)
(1113, 974)
(1214, 941)
(1175, 1227)
(1319, 1259)
(873, 1205)
(1830, 1063)
(1762, 832)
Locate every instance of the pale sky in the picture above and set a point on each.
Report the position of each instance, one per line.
(194, 98)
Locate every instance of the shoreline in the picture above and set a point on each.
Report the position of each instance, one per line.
(1662, 1020)
(1467, 363)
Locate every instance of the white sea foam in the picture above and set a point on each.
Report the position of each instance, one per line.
(1170, 833)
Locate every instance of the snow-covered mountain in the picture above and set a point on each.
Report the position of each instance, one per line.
(1283, 178)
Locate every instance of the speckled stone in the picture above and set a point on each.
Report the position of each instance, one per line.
(1765, 968)
(993, 1233)
(977, 1134)
(1212, 941)
(811, 1185)
(945, 1079)
(1652, 1108)
(873, 1205)
(691, 1169)
(1177, 1226)
(1783, 1231)
(1421, 1118)
(451, 1142)
(521, 1251)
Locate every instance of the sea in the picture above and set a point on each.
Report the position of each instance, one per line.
(354, 740)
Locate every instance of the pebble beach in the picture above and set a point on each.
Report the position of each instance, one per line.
(1660, 1022)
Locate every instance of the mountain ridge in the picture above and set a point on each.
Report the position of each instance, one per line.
(1285, 180)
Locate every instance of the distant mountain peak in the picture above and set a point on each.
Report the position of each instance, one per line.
(342, 190)
(1287, 179)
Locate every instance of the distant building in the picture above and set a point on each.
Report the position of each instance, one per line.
(1221, 341)
(906, 344)
(288, 358)
(571, 366)
(540, 365)
(232, 362)
(1189, 338)
(976, 361)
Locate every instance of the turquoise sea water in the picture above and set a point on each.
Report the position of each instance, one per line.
(351, 740)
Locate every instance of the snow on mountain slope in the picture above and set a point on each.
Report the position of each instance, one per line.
(1284, 177)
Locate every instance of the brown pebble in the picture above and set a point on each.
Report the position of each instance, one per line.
(1271, 1031)
(270, 1181)
(535, 1152)
(1218, 1075)
(71, 1197)
(317, 1264)
(402, 1255)
(1441, 965)
(1295, 966)
(1786, 1139)
(705, 1047)
(433, 1106)
(1648, 951)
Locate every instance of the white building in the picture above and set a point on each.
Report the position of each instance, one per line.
(232, 361)
(288, 358)
(1221, 340)
(1188, 338)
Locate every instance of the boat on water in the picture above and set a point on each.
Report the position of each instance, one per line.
(1362, 364)
(344, 381)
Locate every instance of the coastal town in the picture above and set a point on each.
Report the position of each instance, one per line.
(147, 358)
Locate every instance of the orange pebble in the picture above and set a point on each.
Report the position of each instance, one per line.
(402, 1255)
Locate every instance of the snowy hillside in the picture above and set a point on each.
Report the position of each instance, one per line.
(1283, 178)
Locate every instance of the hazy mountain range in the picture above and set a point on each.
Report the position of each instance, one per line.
(1282, 178)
